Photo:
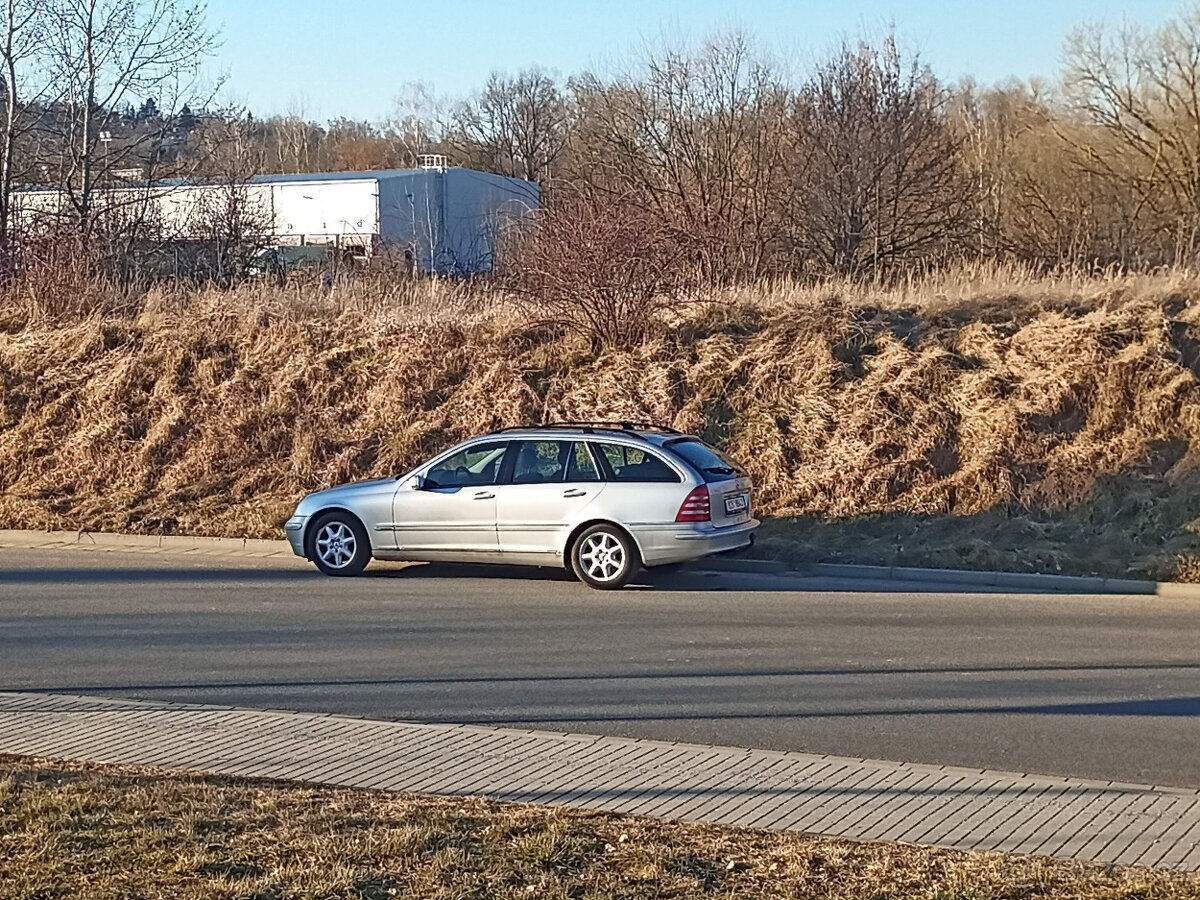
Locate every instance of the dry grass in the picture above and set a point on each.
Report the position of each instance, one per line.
(72, 830)
(981, 418)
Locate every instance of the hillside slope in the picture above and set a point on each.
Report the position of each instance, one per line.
(1057, 429)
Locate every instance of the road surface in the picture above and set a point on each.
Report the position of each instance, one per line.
(1093, 686)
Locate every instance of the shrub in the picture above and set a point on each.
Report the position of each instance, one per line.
(601, 266)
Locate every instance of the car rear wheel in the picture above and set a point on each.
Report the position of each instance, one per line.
(604, 557)
(338, 544)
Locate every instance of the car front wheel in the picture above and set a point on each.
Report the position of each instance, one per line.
(604, 557)
(338, 544)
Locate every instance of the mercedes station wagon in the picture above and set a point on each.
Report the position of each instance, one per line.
(600, 499)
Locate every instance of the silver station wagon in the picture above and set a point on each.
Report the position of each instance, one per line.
(602, 499)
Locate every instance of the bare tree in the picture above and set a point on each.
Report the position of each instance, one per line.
(231, 143)
(517, 126)
(233, 224)
(105, 53)
(1141, 89)
(865, 166)
(1005, 135)
(24, 89)
(602, 266)
(698, 135)
(884, 183)
(232, 216)
(417, 123)
(1038, 198)
(350, 146)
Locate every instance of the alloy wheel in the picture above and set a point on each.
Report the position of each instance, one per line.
(336, 545)
(602, 556)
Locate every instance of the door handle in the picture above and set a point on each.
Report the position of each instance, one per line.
(484, 495)
(575, 493)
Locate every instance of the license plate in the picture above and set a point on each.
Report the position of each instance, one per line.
(737, 503)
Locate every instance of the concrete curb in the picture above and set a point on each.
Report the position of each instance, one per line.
(264, 549)
(1060, 584)
(99, 541)
(1073, 584)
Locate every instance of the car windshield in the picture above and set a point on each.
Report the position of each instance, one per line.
(707, 461)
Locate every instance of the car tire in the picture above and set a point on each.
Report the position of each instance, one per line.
(337, 544)
(605, 557)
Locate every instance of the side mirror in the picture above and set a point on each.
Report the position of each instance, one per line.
(416, 483)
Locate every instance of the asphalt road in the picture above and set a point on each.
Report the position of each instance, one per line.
(1103, 687)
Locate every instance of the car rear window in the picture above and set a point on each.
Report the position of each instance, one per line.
(626, 463)
(704, 459)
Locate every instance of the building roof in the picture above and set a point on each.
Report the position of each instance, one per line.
(335, 176)
(298, 178)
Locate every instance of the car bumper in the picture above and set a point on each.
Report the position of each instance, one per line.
(664, 544)
(295, 533)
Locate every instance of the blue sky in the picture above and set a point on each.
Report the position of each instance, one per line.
(350, 59)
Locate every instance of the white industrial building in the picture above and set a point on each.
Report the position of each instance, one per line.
(447, 218)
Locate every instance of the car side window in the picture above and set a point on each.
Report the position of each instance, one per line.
(635, 464)
(540, 462)
(473, 466)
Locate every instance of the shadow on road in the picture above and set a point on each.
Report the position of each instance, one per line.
(698, 675)
(1172, 707)
(694, 578)
(1160, 707)
(528, 685)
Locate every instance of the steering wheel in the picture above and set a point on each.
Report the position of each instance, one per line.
(462, 476)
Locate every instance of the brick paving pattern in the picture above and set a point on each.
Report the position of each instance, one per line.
(966, 809)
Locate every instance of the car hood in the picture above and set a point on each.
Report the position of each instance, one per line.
(336, 496)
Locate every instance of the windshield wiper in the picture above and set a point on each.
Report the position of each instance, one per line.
(719, 470)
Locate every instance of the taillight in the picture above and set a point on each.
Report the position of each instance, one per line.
(697, 507)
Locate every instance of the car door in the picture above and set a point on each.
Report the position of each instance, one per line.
(551, 482)
(452, 513)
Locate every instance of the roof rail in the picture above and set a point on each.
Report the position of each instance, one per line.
(590, 427)
(613, 426)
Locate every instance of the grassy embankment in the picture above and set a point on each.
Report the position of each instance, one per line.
(111, 833)
(997, 421)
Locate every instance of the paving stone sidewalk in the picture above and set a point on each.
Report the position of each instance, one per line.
(969, 809)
